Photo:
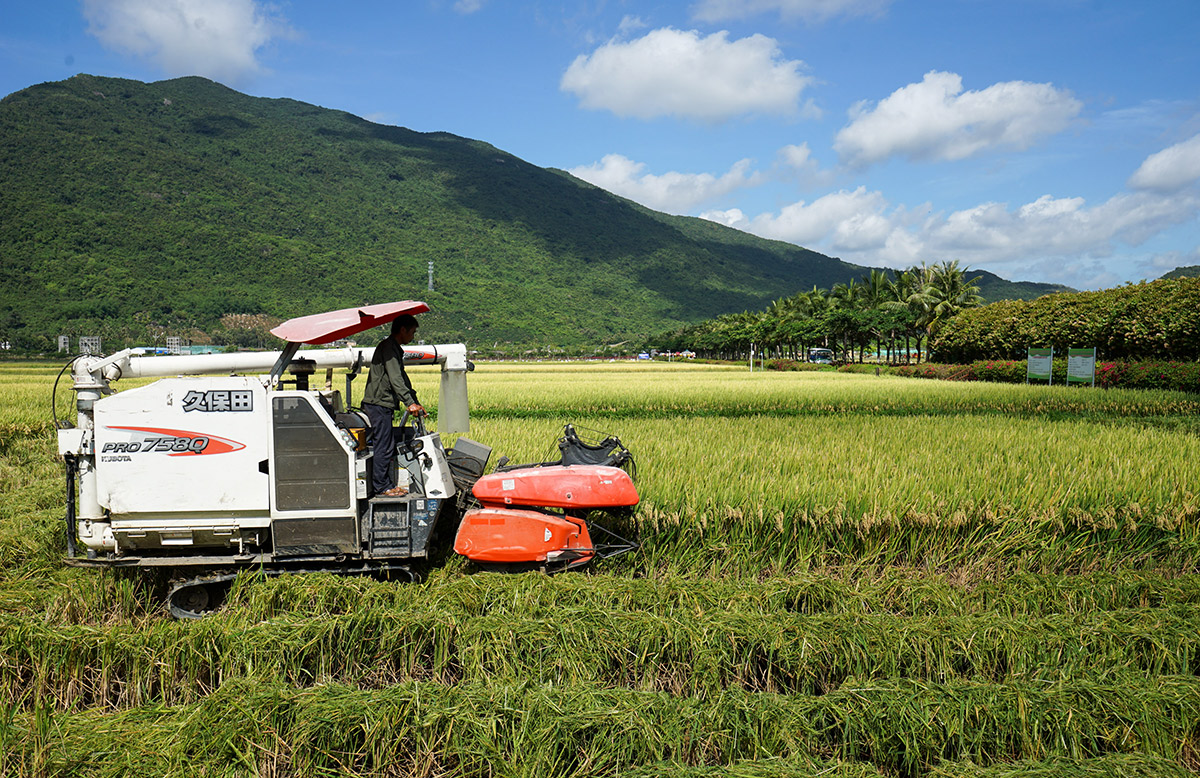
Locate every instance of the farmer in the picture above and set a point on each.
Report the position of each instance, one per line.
(389, 390)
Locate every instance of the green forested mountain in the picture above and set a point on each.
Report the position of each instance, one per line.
(129, 208)
(1187, 271)
(992, 287)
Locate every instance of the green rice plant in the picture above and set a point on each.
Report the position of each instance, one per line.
(90, 597)
(895, 591)
(1106, 766)
(882, 468)
(696, 653)
(32, 532)
(901, 727)
(757, 768)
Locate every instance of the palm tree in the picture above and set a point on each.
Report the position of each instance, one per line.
(910, 305)
(878, 290)
(948, 292)
(936, 295)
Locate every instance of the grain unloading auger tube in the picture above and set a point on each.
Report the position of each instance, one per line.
(219, 466)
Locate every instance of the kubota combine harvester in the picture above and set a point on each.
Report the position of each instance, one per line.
(216, 468)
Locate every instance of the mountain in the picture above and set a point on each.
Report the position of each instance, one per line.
(993, 288)
(1187, 271)
(130, 209)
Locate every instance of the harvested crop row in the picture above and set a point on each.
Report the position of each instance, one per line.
(889, 591)
(90, 597)
(1106, 766)
(697, 654)
(899, 726)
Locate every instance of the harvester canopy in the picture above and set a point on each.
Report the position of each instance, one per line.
(320, 328)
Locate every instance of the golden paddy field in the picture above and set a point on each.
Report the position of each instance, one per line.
(839, 575)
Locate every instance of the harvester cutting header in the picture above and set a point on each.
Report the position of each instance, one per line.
(218, 467)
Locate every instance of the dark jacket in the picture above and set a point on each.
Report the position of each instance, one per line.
(387, 383)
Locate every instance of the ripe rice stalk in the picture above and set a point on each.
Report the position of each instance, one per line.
(684, 653)
(88, 598)
(1105, 766)
(769, 767)
(623, 390)
(901, 727)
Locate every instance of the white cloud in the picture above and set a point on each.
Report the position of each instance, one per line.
(670, 192)
(845, 222)
(796, 165)
(466, 7)
(936, 120)
(219, 39)
(731, 218)
(630, 24)
(852, 221)
(1159, 265)
(807, 10)
(797, 157)
(670, 72)
(1171, 169)
(1050, 238)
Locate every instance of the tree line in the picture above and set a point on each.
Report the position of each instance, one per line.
(895, 315)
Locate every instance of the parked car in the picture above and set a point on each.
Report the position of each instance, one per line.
(820, 356)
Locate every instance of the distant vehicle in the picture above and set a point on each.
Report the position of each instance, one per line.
(820, 356)
(643, 355)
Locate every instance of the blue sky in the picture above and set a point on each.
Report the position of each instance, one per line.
(1043, 140)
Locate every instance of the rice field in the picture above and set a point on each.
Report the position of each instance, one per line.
(840, 575)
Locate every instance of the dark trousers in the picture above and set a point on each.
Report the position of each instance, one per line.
(383, 445)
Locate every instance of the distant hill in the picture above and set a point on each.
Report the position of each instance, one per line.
(1188, 271)
(993, 288)
(131, 209)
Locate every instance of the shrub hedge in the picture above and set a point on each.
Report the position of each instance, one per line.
(1156, 320)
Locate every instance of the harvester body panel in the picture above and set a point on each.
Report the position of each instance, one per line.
(516, 523)
(182, 448)
(312, 470)
(582, 487)
(510, 535)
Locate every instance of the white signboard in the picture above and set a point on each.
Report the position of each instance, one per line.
(1040, 365)
(1081, 366)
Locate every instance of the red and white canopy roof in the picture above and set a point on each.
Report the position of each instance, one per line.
(321, 328)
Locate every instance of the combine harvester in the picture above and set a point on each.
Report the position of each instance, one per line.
(215, 468)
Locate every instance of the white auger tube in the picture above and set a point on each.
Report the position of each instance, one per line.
(93, 374)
